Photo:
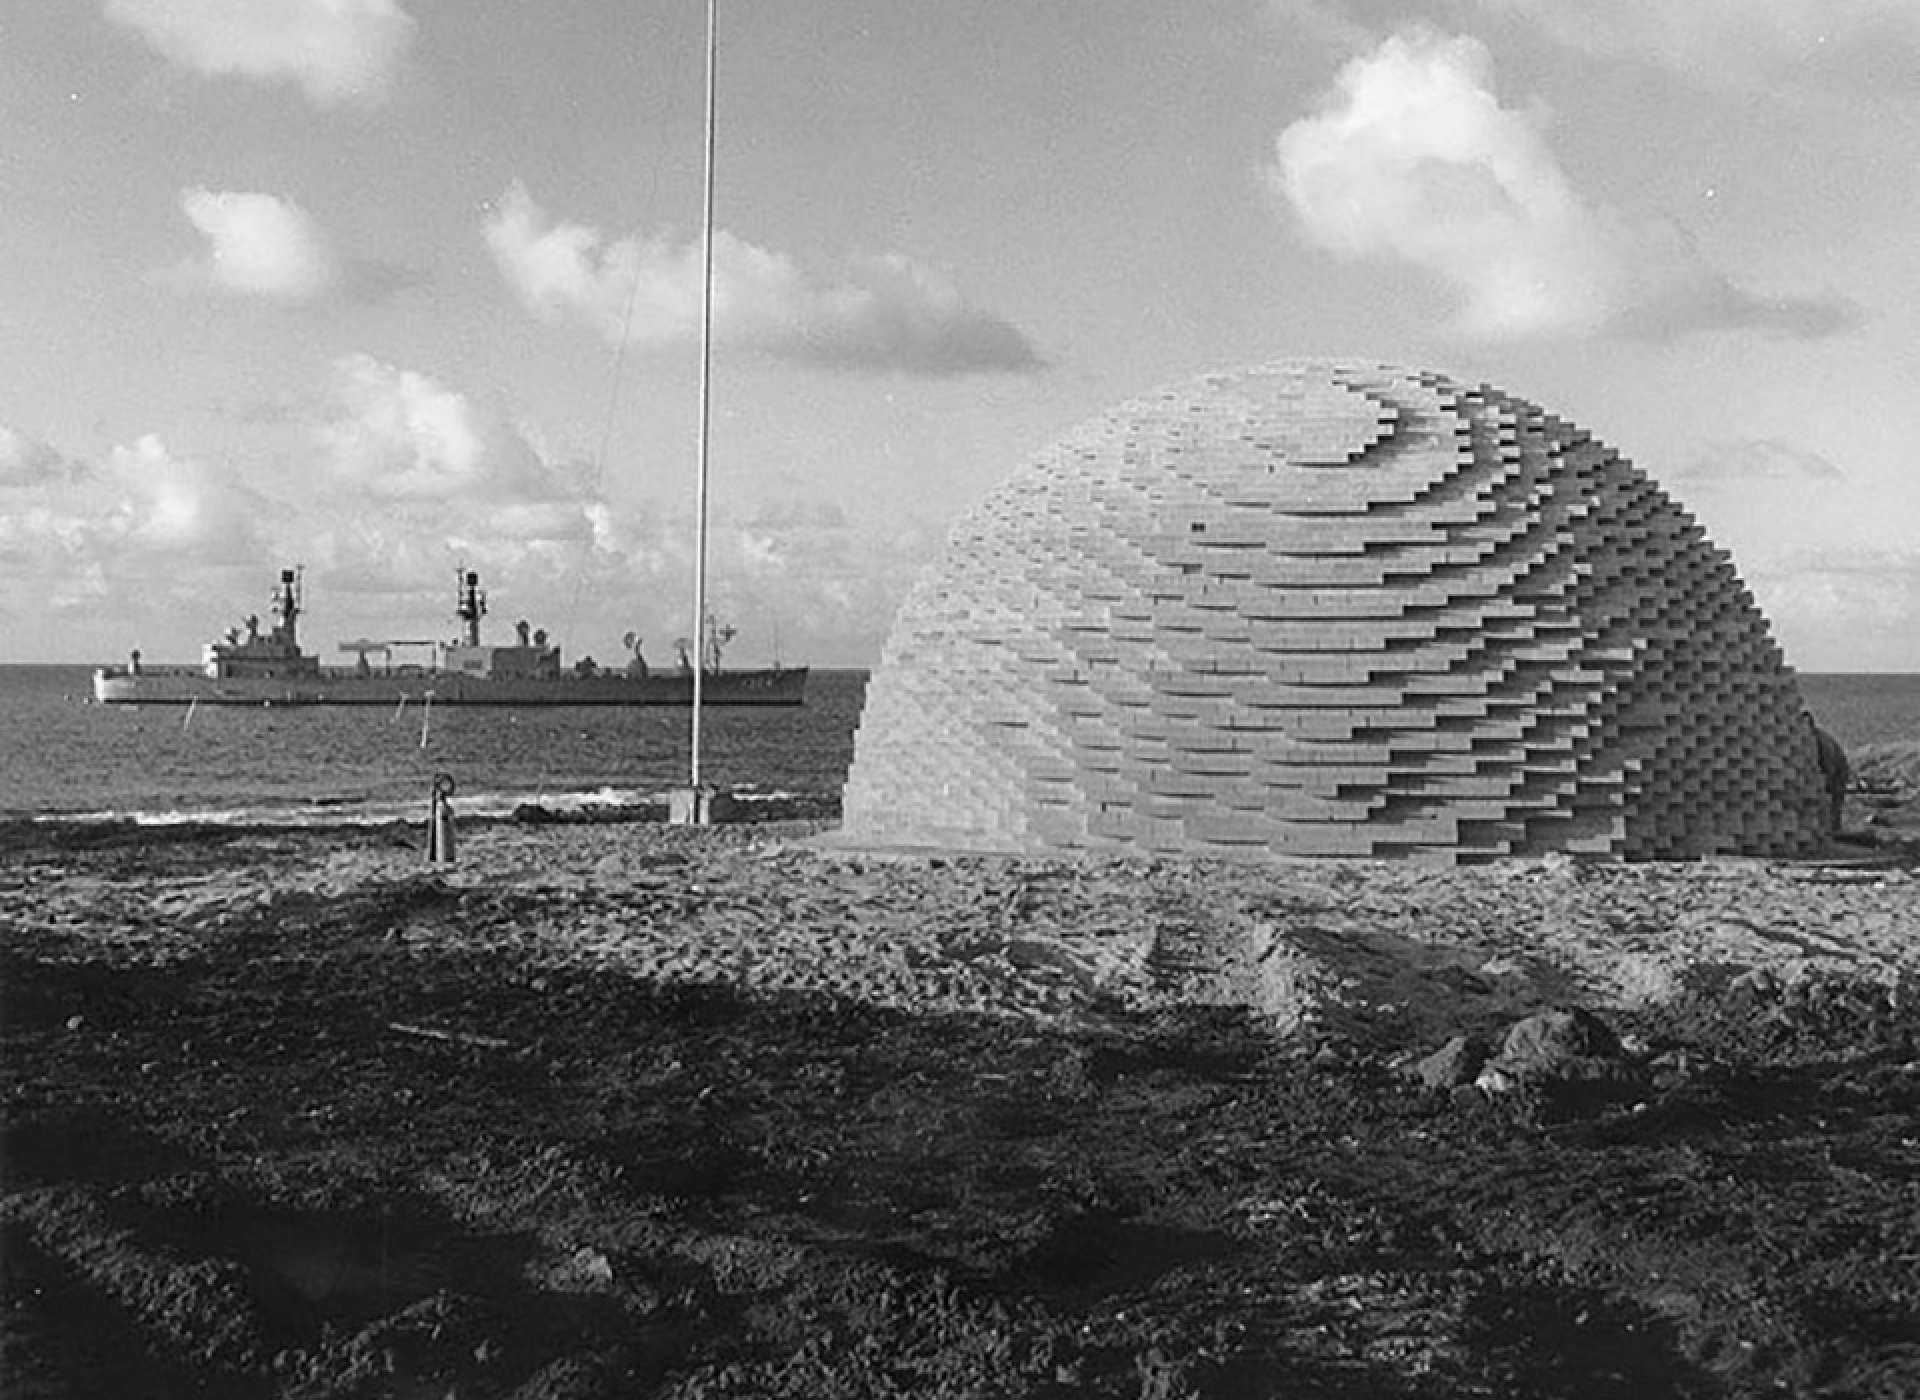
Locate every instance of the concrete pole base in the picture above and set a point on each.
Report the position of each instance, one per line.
(701, 806)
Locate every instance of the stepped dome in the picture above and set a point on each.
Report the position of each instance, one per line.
(1333, 608)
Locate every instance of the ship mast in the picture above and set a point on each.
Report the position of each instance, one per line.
(286, 603)
(706, 394)
(470, 604)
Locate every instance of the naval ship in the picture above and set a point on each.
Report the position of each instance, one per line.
(251, 667)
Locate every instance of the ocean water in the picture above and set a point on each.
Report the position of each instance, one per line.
(1866, 709)
(62, 756)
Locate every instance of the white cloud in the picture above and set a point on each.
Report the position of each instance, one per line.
(165, 504)
(413, 471)
(381, 489)
(259, 245)
(338, 51)
(887, 313)
(1732, 42)
(398, 434)
(801, 564)
(381, 492)
(26, 461)
(146, 508)
(180, 506)
(1413, 158)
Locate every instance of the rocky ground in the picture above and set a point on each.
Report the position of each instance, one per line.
(624, 1109)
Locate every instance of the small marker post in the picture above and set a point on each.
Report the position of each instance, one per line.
(440, 821)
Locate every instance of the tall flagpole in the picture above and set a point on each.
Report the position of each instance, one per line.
(706, 403)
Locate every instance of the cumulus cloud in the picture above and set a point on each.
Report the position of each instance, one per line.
(1413, 158)
(400, 435)
(145, 502)
(178, 504)
(805, 565)
(337, 51)
(1737, 42)
(382, 482)
(26, 461)
(415, 475)
(798, 577)
(887, 313)
(258, 245)
(410, 458)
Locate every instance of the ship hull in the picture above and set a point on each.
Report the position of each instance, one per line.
(779, 686)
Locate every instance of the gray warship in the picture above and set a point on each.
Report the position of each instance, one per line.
(249, 666)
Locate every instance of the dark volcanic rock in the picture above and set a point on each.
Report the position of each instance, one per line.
(1455, 1063)
(1564, 1044)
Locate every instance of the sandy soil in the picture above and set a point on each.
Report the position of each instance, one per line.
(624, 1109)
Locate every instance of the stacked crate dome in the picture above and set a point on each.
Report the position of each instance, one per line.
(1334, 609)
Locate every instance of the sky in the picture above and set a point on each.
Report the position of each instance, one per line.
(389, 288)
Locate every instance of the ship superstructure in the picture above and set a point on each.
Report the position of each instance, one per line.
(274, 655)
